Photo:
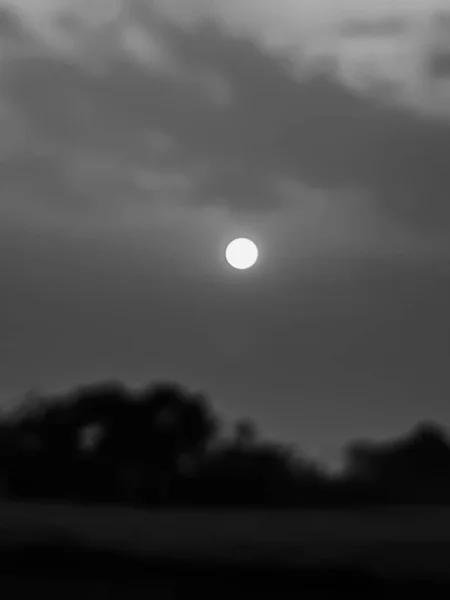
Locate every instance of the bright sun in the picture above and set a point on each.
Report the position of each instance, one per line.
(241, 253)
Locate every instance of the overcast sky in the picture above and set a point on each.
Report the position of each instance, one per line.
(139, 137)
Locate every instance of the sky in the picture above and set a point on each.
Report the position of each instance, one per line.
(140, 136)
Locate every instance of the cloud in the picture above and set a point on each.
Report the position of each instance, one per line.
(390, 39)
(386, 26)
(237, 114)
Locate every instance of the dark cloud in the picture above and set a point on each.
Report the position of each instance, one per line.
(324, 134)
(11, 27)
(438, 57)
(439, 65)
(386, 26)
(37, 179)
(441, 20)
(315, 130)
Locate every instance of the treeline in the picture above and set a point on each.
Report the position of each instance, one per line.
(164, 446)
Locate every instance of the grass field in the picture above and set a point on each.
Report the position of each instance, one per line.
(400, 542)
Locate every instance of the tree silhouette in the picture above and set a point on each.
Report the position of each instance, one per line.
(161, 445)
(245, 433)
(145, 442)
(415, 468)
(163, 427)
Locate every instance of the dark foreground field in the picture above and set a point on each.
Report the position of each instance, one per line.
(73, 552)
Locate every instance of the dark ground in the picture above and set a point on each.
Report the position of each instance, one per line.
(41, 555)
(71, 572)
